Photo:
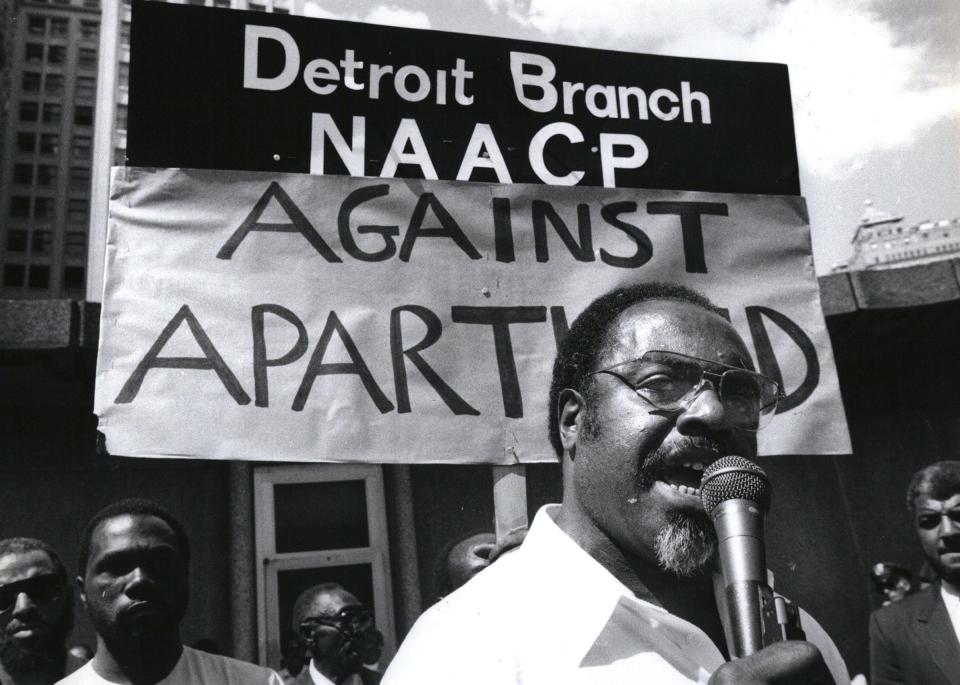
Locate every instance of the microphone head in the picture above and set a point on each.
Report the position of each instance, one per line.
(734, 477)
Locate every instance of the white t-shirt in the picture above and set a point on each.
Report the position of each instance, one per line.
(550, 614)
(194, 668)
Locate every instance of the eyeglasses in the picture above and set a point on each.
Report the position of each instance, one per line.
(929, 521)
(671, 381)
(43, 588)
(353, 620)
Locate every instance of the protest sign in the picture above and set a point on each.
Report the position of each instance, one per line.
(294, 317)
(224, 89)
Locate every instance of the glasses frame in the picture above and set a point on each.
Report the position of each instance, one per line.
(714, 378)
(54, 585)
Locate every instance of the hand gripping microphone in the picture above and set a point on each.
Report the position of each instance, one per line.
(736, 495)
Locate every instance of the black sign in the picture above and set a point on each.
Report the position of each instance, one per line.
(227, 89)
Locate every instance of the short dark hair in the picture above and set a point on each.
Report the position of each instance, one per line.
(23, 545)
(130, 507)
(584, 342)
(940, 480)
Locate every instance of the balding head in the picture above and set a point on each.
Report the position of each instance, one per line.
(321, 601)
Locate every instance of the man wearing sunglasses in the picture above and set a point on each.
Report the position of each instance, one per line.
(36, 614)
(917, 640)
(340, 637)
(134, 559)
(650, 386)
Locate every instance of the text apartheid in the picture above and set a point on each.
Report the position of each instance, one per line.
(499, 320)
(361, 319)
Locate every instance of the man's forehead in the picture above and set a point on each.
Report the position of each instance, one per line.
(20, 565)
(132, 530)
(930, 504)
(330, 603)
(675, 326)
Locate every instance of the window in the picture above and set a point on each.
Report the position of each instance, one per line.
(36, 26)
(29, 111)
(92, 4)
(79, 177)
(40, 242)
(119, 156)
(81, 147)
(31, 82)
(319, 523)
(49, 143)
(16, 240)
(52, 112)
(23, 174)
(58, 26)
(122, 117)
(75, 244)
(34, 54)
(89, 30)
(77, 209)
(26, 142)
(56, 54)
(39, 276)
(73, 277)
(13, 275)
(46, 175)
(125, 32)
(83, 115)
(221, 3)
(123, 75)
(87, 58)
(19, 207)
(86, 87)
(43, 208)
(53, 84)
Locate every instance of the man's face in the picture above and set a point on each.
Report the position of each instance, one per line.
(135, 586)
(334, 639)
(938, 526)
(37, 614)
(636, 467)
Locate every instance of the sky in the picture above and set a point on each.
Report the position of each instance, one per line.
(875, 83)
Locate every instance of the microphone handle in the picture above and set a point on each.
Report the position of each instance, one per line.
(739, 526)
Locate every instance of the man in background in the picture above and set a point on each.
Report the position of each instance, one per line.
(916, 640)
(134, 559)
(340, 637)
(36, 614)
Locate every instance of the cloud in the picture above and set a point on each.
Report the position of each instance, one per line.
(858, 86)
(389, 15)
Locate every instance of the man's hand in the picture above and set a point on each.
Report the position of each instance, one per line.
(783, 663)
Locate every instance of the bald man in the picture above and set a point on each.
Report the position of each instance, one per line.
(340, 637)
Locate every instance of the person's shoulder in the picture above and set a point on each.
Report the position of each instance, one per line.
(909, 606)
(233, 671)
(85, 675)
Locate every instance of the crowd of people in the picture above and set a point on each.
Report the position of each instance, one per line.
(133, 583)
(616, 584)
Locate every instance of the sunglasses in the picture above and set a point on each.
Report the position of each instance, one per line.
(43, 588)
(349, 621)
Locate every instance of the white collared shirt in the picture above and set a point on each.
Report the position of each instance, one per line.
(551, 614)
(320, 679)
(951, 597)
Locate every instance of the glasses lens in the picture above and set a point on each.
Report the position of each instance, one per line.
(662, 378)
(39, 589)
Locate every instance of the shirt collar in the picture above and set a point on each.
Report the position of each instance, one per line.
(317, 677)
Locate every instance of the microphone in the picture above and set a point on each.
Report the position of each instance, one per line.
(736, 495)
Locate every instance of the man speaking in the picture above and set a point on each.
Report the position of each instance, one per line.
(650, 386)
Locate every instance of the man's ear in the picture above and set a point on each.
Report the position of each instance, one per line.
(83, 594)
(570, 403)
